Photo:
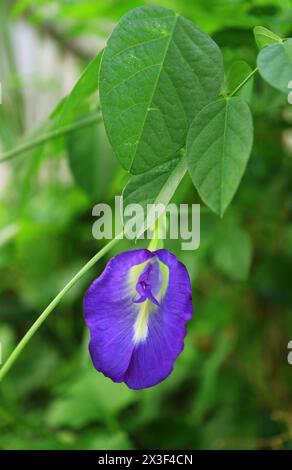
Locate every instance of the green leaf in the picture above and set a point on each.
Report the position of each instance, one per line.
(156, 186)
(236, 74)
(91, 160)
(233, 252)
(275, 65)
(89, 398)
(158, 70)
(208, 384)
(218, 147)
(85, 86)
(94, 439)
(264, 37)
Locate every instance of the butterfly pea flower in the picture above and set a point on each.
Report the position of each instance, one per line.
(136, 312)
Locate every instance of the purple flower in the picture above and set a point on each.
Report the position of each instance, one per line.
(136, 312)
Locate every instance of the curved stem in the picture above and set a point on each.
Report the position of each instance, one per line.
(33, 329)
(251, 74)
(157, 242)
(54, 134)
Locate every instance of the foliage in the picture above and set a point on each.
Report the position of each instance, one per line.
(231, 387)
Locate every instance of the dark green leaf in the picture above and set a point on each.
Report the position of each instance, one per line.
(158, 70)
(218, 147)
(156, 186)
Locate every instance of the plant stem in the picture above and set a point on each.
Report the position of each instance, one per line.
(54, 134)
(251, 74)
(34, 328)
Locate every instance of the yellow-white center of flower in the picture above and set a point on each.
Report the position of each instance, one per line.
(147, 307)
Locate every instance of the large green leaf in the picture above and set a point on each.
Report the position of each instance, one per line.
(157, 71)
(218, 147)
(156, 186)
(264, 37)
(275, 65)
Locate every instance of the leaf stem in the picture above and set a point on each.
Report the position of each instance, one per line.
(54, 134)
(36, 325)
(247, 78)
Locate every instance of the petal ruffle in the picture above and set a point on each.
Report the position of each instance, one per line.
(152, 361)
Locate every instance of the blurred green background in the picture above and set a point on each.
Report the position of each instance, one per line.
(231, 387)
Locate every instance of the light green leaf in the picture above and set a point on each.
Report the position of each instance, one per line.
(91, 160)
(275, 65)
(158, 70)
(236, 74)
(85, 86)
(264, 37)
(156, 186)
(233, 252)
(208, 384)
(218, 147)
(94, 439)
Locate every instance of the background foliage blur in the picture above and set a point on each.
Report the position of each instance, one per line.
(231, 387)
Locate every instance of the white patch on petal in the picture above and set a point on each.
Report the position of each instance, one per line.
(147, 308)
(164, 271)
(141, 323)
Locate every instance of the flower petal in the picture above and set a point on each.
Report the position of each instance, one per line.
(136, 340)
(110, 314)
(152, 361)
